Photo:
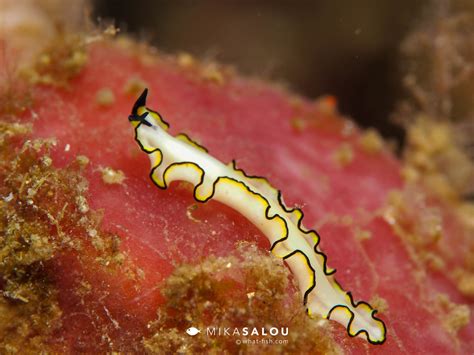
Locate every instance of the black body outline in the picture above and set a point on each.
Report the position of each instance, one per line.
(141, 101)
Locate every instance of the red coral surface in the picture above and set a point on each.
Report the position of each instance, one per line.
(304, 148)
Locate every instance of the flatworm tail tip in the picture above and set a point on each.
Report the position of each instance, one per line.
(141, 101)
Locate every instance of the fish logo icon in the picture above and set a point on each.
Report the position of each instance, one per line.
(192, 331)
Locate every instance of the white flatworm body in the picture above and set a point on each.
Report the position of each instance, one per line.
(180, 159)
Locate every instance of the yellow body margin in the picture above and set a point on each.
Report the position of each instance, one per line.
(179, 158)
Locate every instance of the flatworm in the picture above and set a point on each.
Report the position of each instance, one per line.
(181, 159)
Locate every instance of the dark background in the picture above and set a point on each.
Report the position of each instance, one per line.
(346, 48)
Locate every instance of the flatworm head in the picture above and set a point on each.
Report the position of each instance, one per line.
(143, 115)
(179, 158)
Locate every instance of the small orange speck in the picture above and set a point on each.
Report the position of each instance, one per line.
(327, 104)
(134, 86)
